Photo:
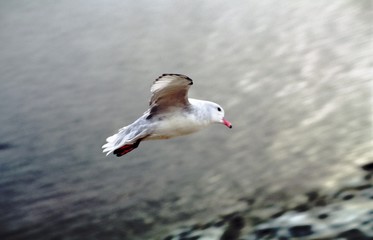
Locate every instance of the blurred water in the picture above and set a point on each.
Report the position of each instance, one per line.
(293, 77)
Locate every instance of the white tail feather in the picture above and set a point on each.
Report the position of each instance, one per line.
(110, 146)
(126, 135)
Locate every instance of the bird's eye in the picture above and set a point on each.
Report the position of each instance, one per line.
(219, 109)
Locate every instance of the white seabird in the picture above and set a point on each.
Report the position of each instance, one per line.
(171, 114)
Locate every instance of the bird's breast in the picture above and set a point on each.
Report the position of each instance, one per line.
(176, 126)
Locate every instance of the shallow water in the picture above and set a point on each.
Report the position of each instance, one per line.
(293, 77)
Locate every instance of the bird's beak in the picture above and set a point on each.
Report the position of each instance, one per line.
(227, 123)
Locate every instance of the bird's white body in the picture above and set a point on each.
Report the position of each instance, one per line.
(182, 123)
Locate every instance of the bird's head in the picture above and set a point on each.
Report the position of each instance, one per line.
(217, 114)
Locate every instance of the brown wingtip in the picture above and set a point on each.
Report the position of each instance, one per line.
(176, 74)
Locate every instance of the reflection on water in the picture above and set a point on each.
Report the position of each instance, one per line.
(292, 77)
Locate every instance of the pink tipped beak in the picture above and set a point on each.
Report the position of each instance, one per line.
(227, 123)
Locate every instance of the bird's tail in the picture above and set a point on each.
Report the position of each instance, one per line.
(115, 145)
(124, 141)
(112, 144)
(127, 139)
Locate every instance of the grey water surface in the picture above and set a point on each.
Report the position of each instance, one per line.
(294, 78)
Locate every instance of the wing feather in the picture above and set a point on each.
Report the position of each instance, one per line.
(169, 91)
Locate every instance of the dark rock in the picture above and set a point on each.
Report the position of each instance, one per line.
(234, 229)
(362, 187)
(237, 222)
(353, 234)
(348, 197)
(302, 207)
(230, 235)
(190, 238)
(368, 167)
(185, 233)
(312, 195)
(266, 232)
(278, 214)
(301, 231)
(323, 216)
(365, 222)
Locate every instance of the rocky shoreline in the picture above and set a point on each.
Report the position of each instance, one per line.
(345, 212)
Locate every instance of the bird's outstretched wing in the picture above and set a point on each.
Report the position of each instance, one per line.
(169, 91)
